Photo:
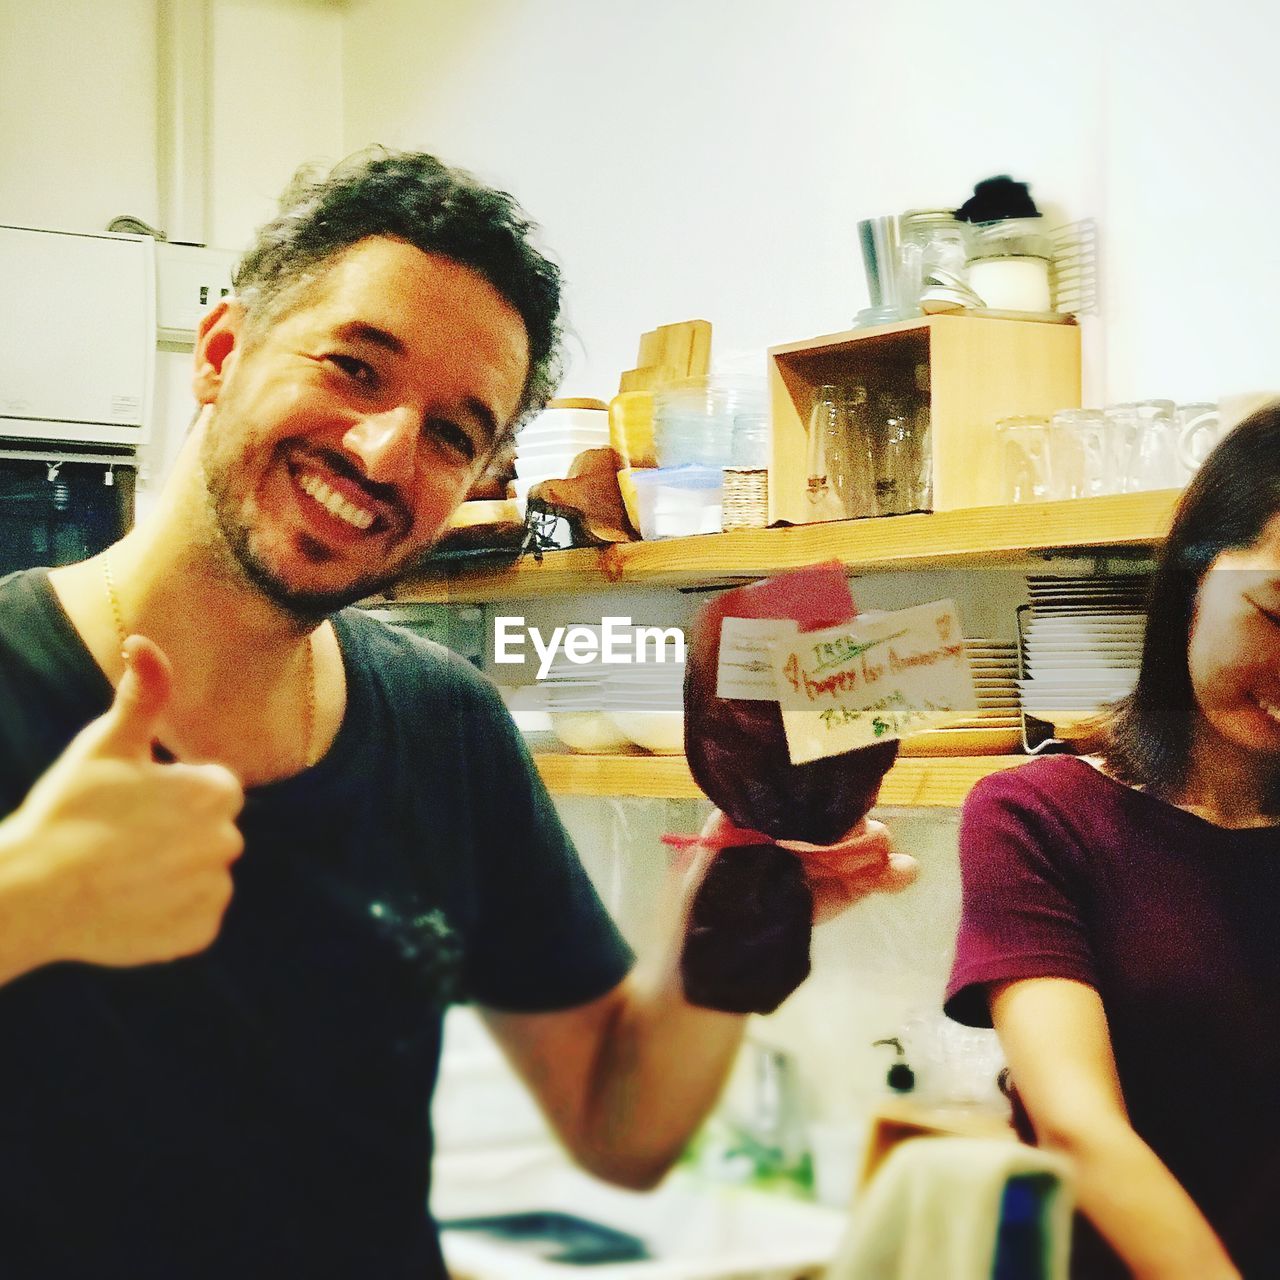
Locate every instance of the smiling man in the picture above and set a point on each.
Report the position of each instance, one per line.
(256, 841)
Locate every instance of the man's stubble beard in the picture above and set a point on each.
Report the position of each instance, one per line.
(234, 539)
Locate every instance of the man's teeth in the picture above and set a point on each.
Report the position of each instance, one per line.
(334, 503)
(1270, 708)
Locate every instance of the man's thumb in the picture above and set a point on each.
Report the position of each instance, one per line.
(141, 697)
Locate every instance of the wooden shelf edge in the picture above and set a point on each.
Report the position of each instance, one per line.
(972, 537)
(557, 573)
(913, 782)
(848, 337)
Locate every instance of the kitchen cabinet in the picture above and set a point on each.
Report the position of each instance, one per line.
(1007, 536)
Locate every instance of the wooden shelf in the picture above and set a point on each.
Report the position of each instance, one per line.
(920, 781)
(966, 371)
(1001, 535)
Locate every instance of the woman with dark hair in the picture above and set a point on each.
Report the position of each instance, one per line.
(1120, 925)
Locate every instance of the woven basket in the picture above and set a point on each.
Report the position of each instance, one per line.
(746, 498)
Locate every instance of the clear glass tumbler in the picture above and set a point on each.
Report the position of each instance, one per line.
(1144, 444)
(895, 457)
(1025, 459)
(1078, 456)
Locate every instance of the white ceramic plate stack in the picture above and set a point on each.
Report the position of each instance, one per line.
(1082, 645)
(994, 727)
(547, 445)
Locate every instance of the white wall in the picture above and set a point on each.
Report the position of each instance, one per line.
(710, 158)
(276, 85)
(78, 104)
(79, 143)
(77, 112)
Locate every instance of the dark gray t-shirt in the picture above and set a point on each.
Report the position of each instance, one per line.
(261, 1109)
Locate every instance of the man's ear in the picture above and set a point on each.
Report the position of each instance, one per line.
(218, 341)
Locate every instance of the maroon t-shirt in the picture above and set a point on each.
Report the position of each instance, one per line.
(1176, 923)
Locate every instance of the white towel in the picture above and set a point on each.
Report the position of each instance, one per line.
(932, 1211)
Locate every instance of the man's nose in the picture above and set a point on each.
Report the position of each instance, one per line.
(386, 444)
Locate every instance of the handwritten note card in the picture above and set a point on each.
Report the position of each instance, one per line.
(871, 679)
(746, 657)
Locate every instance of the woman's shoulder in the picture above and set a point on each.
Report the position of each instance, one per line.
(1048, 779)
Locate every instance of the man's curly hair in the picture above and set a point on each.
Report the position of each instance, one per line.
(416, 198)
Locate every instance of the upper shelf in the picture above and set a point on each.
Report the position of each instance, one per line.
(944, 539)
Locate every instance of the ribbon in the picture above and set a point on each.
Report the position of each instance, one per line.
(727, 837)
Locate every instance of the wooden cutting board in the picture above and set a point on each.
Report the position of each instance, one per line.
(670, 353)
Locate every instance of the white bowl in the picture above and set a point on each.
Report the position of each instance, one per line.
(591, 732)
(661, 732)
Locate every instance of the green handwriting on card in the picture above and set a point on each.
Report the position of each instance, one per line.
(868, 681)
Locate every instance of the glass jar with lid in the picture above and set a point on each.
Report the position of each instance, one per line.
(1009, 263)
(933, 249)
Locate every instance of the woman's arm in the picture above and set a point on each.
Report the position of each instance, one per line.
(1055, 1037)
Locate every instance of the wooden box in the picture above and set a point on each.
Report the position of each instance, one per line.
(972, 370)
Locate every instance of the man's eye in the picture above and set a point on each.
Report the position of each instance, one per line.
(355, 369)
(453, 437)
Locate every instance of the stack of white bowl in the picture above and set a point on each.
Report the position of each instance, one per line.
(575, 694)
(646, 702)
(607, 708)
(547, 445)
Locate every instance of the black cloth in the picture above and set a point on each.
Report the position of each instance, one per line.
(261, 1109)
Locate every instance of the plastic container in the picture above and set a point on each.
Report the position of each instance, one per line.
(1009, 264)
(751, 440)
(677, 502)
(562, 442)
(693, 420)
(557, 420)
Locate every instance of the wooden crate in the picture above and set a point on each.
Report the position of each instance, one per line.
(978, 369)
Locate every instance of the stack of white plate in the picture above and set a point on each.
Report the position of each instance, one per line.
(994, 727)
(547, 445)
(1082, 645)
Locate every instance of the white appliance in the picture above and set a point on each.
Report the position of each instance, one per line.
(189, 280)
(77, 336)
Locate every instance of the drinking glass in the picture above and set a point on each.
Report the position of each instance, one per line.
(1024, 457)
(1199, 429)
(1078, 453)
(1144, 438)
(853, 473)
(895, 457)
(827, 447)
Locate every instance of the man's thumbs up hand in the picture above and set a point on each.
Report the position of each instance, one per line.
(114, 857)
(129, 727)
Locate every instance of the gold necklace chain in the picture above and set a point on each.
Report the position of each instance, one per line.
(309, 677)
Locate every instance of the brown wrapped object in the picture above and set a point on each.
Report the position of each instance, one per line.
(747, 947)
(589, 498)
